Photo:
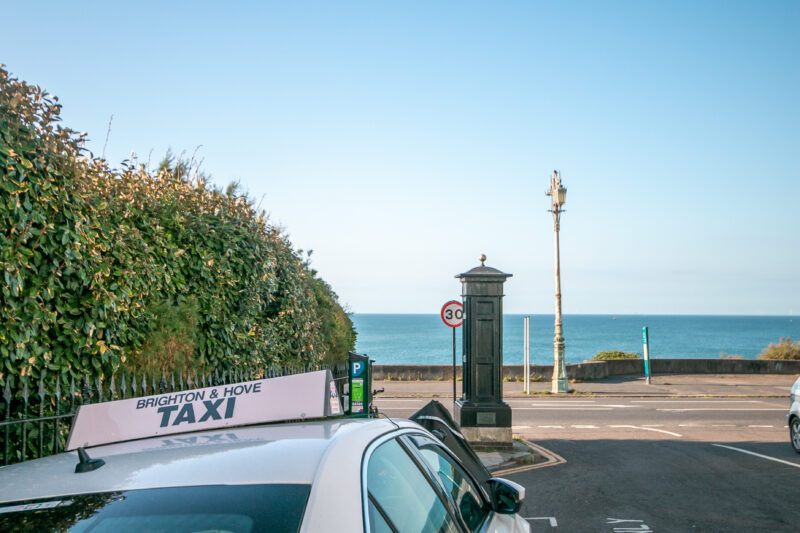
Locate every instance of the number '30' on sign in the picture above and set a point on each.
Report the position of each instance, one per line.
(453, 314)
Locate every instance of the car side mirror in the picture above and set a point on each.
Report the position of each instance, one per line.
(506, 495)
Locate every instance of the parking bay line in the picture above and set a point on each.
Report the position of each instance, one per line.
(758, 455)
(552, 519)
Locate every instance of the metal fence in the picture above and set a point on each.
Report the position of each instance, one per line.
(36, 423)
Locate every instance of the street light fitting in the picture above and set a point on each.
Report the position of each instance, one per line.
(557, 191)
(562, 196)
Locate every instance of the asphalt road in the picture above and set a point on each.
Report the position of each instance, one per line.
(655, 464)
(717, 420)
(662, 485)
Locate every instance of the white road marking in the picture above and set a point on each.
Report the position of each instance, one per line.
(584, 426)
(561, 402)
(723, 425)
(628, 528)
(583, 405)
(755, 426)
(758, 455)
(416, 400)
(649, 429)
(711, 409)
(552, 519)
(690, 425)
(652, 425)
(551, 427)
(520, 427)
(563, 408)
(696, 401)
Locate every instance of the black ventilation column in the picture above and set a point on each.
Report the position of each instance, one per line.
(484, 418)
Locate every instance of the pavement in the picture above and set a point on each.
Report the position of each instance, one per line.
(662, 386)
(526, 455)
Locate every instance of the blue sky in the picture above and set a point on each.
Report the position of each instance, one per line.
(400, 140)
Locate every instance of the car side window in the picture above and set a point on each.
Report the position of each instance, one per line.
(454, 480)
(400, 496)
(377, 520)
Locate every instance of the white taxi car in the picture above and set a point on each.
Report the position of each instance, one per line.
(210, 463)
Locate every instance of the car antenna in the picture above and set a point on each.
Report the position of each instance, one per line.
(86, 463)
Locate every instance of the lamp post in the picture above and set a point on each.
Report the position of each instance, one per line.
(558, 195)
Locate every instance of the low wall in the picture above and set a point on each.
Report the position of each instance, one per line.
(597, 369)
(625, 367)
(724, 366)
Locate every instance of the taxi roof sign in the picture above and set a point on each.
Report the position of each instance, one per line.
(296, 397)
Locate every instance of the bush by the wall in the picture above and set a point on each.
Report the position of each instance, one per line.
(786, 349)
(614, 354)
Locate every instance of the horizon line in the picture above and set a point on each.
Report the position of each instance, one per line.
(596, 314)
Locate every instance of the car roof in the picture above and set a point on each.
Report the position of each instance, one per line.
(288, 453)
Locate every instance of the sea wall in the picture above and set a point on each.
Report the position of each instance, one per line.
(599, 369)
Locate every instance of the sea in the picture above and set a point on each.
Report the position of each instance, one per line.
(425, 340)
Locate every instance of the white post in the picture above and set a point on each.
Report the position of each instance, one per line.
(526, 353)
(646, 340)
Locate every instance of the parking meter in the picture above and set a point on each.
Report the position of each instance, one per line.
(359, 385)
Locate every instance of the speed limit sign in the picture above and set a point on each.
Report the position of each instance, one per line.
(453, 313)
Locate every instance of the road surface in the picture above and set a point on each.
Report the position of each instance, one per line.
(654, 464)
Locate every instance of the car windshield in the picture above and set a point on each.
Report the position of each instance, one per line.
(217, 508)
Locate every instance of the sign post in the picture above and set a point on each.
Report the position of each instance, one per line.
(526, 353)
(453, 316)
(646, 339)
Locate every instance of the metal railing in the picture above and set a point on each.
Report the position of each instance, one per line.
(37, 424)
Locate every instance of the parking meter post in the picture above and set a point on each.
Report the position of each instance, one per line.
(360, 383)
(646, 339)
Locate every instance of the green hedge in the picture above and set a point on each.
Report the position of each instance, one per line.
(614, 354)
(786, 349)
(107, 269)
